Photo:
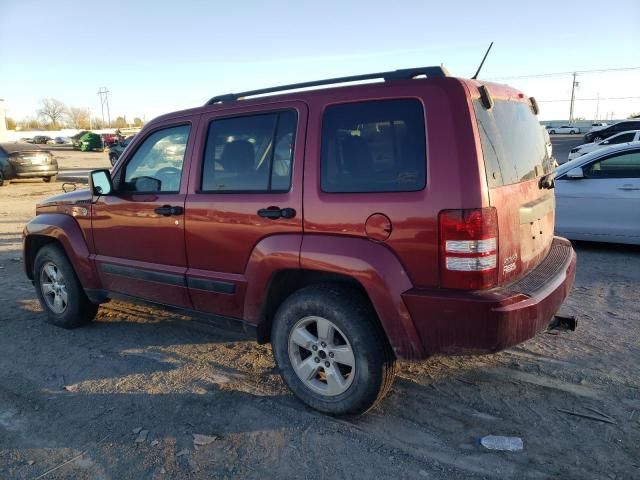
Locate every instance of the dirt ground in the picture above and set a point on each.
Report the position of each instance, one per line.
(123, 397)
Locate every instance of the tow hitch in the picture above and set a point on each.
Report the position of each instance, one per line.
(559, 322)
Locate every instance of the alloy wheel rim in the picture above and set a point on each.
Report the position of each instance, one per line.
(54, 288)
(321, 356)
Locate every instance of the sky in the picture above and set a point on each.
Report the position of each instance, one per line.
(159, 56)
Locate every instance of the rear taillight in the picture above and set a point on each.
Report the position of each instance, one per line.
(469, 248)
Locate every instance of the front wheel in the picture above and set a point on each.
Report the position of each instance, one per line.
(59, 290)
(597, 139)
(52, 178)
(331, 351)
(552, 132)
(572, 132)
(113, 159)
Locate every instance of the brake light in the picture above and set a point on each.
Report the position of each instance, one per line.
(469, 248)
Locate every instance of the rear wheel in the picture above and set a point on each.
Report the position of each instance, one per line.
(552, 132)
(572, 132)
(331, 351)
(59, 290)
(113, 159)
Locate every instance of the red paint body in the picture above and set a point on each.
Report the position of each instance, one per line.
(395, 256)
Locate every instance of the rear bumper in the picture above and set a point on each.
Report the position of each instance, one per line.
(456, 322)
(35, 171)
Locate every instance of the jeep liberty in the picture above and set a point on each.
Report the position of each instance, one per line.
(350, 226)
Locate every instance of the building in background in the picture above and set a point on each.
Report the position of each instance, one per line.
(3, 122)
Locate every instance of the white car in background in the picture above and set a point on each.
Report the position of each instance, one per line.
(598, 196)
(563, 129)
(617, 139)
(598, 126)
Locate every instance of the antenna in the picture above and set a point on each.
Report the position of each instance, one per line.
(482, 62)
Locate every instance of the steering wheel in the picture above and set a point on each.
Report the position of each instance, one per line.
(170, 178)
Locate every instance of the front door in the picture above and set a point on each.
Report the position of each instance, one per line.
(139, 230)
(245, 189)
(605, 204)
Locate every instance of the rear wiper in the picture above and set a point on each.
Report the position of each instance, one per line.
(547, 181)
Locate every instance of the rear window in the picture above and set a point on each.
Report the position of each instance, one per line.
(513, 144)
(376, 146)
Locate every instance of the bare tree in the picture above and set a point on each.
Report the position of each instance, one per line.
(79, 117)
(97, 123)
(52, 109)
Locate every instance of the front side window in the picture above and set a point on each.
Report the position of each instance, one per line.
(626, 165)
(156, 166)
(376, 146)
(250, 154)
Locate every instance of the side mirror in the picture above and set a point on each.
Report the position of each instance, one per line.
(100, 182)
(575, 173)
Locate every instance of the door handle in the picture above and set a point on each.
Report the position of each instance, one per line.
(168, 210)
(276, 212)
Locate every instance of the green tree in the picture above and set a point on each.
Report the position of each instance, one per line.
(137, 122)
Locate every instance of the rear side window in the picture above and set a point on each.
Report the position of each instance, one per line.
(250, 154)
(374, 146)
(622, 138)
(513, 144)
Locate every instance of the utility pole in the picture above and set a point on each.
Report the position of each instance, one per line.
(574, 84)
(597, 108)
(104, 100)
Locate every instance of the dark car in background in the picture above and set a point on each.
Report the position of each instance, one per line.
(612, 130)
(19, 160)
(116, 150)
(41, 139)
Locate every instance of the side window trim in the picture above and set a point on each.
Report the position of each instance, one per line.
(278, 112)
(120, 180)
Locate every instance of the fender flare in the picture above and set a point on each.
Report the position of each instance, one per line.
(382, 276)
(66, 231)
(273, 253)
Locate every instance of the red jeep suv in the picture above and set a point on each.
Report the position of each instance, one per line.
(350, 226)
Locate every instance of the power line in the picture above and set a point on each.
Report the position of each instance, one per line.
(589, 99)
(557, 74)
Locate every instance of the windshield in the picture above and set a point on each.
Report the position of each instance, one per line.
(513, 144)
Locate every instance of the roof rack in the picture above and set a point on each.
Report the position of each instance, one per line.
(403, 74)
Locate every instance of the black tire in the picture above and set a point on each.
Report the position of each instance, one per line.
(52, 178)
(552, 132)
(79, 310)
(572, 132)
(113, 159)
(350, 312)
(2, 178)
(597, 139)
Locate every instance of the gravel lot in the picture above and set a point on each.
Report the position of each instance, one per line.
(123, 397)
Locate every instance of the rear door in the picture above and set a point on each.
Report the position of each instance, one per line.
(246, 186)
(515, 159)
(605, 204)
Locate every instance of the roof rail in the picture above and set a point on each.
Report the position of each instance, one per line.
(403, 74)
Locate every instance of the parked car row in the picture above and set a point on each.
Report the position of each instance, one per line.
(619, 138)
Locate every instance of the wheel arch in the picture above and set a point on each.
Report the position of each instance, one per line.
(369, 267)
(63, 230)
